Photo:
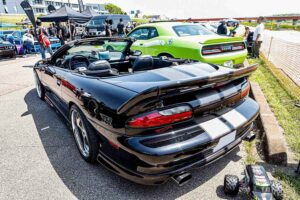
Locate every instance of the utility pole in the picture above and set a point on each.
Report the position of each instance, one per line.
(80, 3)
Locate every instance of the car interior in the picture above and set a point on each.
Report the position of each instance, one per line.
(104, 61)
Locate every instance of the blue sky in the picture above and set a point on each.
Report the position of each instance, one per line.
(208, 8)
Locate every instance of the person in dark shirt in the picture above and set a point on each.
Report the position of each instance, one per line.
(222, 29)
(121, 28)
(249, 39)
(107, 26)
(50, 30)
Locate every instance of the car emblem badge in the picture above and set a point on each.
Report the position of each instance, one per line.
(227, 48)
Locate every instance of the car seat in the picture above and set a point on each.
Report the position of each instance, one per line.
(142, 63)
(99, 68)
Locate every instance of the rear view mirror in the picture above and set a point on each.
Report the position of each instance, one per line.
(137, 53)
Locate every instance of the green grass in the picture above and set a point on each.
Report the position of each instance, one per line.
(13, 19)
(273, 25)
(250, 157)
(282, 104)
(281, 94)
(291, 185)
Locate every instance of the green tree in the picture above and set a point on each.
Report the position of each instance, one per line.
(113, 9)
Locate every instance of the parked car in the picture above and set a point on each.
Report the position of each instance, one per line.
(95, 26)
(7, 49)
(146, 118)
(188, 41)
(19, 46)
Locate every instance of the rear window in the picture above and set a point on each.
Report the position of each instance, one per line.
(191, 30)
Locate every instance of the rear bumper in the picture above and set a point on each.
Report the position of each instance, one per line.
(219, 59)
(155, 165)
(160, 178)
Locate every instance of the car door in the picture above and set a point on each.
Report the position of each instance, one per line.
(141, 36)
(52, 80)
(147, 40)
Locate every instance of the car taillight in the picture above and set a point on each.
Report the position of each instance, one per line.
(245, 91)
(160, 118)
(208, 51)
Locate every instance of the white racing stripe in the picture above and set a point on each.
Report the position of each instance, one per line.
(224, 141)
(235, 118)
(215, 128)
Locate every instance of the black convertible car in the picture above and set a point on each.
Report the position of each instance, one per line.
(147, 119)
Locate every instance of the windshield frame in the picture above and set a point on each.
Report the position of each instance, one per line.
(190, 25)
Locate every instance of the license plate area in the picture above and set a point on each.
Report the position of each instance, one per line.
(224, 141)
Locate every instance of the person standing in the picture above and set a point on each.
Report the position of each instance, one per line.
(121, 28)
(28, 42)
(72, 30)
(248, 36)
(222, 28)
(258, 37)
(107, 26)
(44, 43)
(50, 30)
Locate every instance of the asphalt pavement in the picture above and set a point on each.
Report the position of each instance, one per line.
(39, 159)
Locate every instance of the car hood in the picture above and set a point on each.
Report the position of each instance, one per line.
(211, 39)
(4, 43)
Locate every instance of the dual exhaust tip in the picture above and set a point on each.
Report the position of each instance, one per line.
(250, 137)
(185, 177)
(182, 179)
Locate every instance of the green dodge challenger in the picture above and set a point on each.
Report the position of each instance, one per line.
(188, 41)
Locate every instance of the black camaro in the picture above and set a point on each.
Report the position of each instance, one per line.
(147, 119)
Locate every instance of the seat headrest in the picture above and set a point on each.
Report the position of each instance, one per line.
(142, 63)
(99, 65)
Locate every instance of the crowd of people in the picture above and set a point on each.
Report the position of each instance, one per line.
(67, 32)
(253, 39)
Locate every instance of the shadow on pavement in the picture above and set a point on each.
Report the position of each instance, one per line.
(87, 181)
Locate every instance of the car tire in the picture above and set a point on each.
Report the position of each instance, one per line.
(231, 185)
(165, 55)
(277, 190)
(40, 89)
(84, 134)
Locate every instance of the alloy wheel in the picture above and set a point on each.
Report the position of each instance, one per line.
(80, 133)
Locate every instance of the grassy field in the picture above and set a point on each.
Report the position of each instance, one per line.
(273, 26)
(282, 103)
(281, 95)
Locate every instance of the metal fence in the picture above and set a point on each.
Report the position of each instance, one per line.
(284, 54)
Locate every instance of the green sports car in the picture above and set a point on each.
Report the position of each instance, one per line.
(188, 41)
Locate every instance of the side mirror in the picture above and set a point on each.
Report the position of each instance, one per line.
(137, 53)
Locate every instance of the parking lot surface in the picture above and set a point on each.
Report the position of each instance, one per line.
(39, 159)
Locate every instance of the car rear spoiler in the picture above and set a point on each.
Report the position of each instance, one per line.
(185, 86)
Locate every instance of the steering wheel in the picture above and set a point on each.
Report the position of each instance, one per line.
(80, 58)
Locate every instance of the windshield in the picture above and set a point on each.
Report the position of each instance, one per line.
(191, 30)
(96, 22)
(100, 50)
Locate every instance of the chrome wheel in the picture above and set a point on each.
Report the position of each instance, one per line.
(80, 133)
(38, 85)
